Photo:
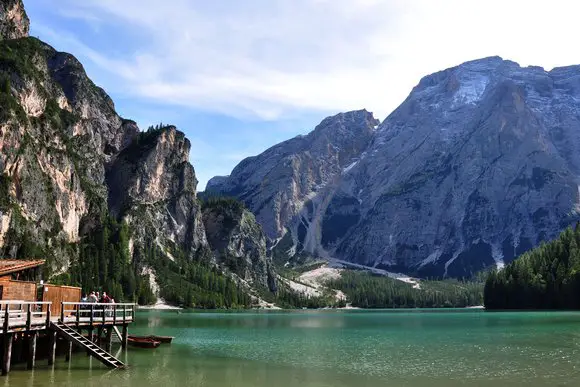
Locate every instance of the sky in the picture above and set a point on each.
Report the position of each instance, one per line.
(240, 76)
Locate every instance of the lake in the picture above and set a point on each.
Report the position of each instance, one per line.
(336, 348)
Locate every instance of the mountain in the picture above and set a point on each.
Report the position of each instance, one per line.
(479, 164)
(288, 185)
(107, 205)
(14, 22)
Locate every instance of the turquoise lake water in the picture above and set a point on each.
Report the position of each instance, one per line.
(336, 348)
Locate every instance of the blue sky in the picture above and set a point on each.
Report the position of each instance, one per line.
(240, 76)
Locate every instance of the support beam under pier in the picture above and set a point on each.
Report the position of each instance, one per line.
(125, 335)
(51, 347)
(31, 350)
(8, 337)
(109, 339)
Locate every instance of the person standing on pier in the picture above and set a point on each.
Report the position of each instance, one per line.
(93, 298)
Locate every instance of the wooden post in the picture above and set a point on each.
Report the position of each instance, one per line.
(109, 339)
(29, 317)
(31, 349)
(92, 313)
(114, 314)
(69, 351)
(48, 315)
(124, 313)
(51, 347)
(7, 352)
(99, 334)
(78, 315)
(6, 318)
(62, 312)
(125, 335)
(104, 313)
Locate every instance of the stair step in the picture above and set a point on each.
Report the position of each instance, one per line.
(93, 349)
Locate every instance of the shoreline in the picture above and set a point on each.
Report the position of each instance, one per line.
(159, 305)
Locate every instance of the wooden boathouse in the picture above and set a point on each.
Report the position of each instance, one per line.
(31, 309)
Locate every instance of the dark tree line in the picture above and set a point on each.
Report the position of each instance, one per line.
(365, 290)
(104, 264)
(194, 282)
(547, 277)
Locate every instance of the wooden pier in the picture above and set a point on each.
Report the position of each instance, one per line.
(28, 320)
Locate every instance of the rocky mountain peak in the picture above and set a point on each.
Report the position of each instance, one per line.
(480, 163)
(14, 22)
(153, 168)
(351, 122)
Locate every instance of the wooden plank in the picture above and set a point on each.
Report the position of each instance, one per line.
(58, 294)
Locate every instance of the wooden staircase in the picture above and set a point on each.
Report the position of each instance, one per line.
(93, 349)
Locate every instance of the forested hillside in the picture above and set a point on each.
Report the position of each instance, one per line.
(547, 277)
(365, 290)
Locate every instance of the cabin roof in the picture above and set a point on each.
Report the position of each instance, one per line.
(8, 266)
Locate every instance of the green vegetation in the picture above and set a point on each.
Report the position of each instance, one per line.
(287, 298)
(225, 204)
(5, 182)
(194, 282)
(104, 263)
(57, 117)
(9, 104)
(18, 56)
(366, 290)
(143, 142)
(547, 277)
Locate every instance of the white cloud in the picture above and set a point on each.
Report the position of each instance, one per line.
(269, 58)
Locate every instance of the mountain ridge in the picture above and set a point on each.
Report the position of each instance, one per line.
(440, 188)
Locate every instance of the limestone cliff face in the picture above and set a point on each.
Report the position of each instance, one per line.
(69, 163)
(14, 22)
(55, 129)
(238, 242)
(153, 186)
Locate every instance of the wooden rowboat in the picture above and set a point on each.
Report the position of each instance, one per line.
(143, 342)
(161, 339)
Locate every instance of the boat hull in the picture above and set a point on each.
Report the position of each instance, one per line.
(143, 343)
(161, 339)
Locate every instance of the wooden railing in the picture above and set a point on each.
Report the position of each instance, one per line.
(83, 313)
(24, 315)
